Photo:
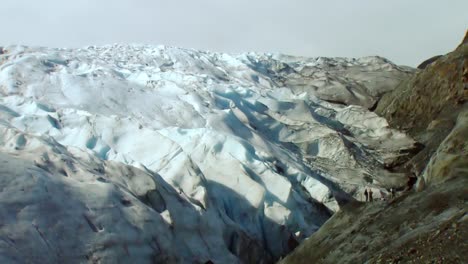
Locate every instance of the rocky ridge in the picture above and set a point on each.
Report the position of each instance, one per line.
(427, 224)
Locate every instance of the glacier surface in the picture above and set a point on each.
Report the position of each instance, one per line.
(141, 154)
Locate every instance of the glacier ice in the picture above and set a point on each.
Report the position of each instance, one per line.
(134, 153)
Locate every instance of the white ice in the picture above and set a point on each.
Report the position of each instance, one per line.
(139, 153)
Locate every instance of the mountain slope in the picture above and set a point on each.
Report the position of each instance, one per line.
(428, 226)
(162, 154)
(428, 104)
(425, 227)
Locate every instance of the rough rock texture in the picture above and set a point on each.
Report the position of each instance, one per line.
(429, 95)
(419, 228)
(427, 104)
(451, 157)
(427, 226)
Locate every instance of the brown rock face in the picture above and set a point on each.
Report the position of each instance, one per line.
(432, 94)
(451, 157)
(427, 104)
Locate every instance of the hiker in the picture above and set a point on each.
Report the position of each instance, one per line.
(392, 192)
(367, 195)
(370, 195)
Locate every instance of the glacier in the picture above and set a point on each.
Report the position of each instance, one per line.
(143, 154)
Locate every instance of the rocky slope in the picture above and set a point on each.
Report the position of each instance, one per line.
(148, 154)
(428, 105)
(428, 226)
(424, 227)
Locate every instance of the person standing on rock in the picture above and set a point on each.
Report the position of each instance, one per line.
(366, 194)
(370, 195)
